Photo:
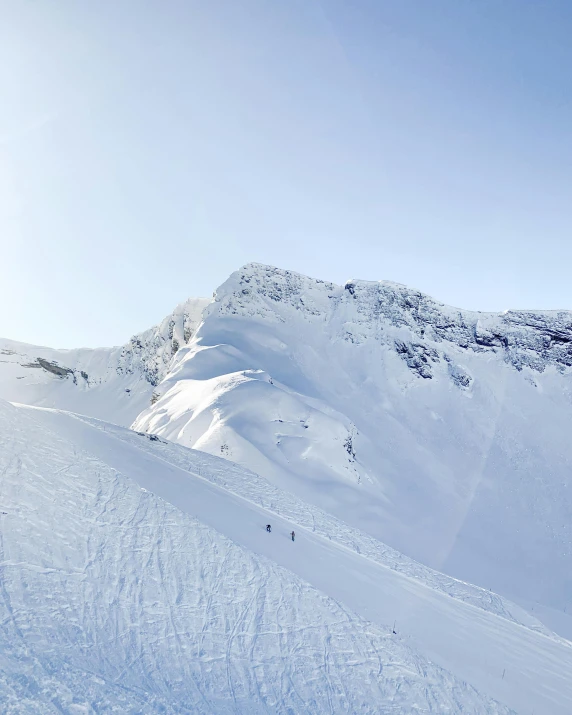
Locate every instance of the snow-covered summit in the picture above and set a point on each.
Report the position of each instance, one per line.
(440, 431)
(534, 339)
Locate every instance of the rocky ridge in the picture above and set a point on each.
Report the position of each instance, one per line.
(533, 339)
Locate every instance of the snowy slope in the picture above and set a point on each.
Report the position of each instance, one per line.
(122, 592)
(165, 591)
(110, 383)
(442, 432)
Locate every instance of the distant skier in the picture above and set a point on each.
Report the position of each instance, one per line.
(292, 534)
(268, 528)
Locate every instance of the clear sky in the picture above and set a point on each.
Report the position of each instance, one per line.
(148, 149)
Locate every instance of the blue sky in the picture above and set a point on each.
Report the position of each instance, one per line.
(147, 150)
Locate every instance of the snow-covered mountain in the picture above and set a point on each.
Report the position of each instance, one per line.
(137, 577)
(109, 383)
(442, 432)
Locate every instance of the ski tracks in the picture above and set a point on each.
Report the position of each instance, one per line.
(132, 606)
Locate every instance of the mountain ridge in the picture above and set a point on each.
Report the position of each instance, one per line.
(115, 383)
(402, 305)
(436, 430)
(439, 431)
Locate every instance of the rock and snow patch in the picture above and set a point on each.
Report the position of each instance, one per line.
(110, 383)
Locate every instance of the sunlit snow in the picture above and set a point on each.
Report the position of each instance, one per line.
(405, 442)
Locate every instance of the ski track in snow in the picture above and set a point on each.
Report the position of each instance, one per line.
(153, 543)
(258, 490)
(113, 600)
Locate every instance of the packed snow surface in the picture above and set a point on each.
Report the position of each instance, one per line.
(137, 576)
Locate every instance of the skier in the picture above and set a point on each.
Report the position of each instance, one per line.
(268, 527)
(292, 534)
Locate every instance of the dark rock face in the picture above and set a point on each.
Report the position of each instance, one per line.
(525, 339)
(418, 357)
(459, 376)
(51, 367)
(54, 368)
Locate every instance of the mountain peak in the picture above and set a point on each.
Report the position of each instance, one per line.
(404, 416)
(362, 310)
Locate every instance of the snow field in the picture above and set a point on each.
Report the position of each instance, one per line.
(473, 645)
(114, 600)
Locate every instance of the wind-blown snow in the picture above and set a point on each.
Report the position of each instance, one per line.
(442, 432)
(114, 599)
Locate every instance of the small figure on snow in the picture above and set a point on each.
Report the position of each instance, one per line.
(292, 534)
(268, 527)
